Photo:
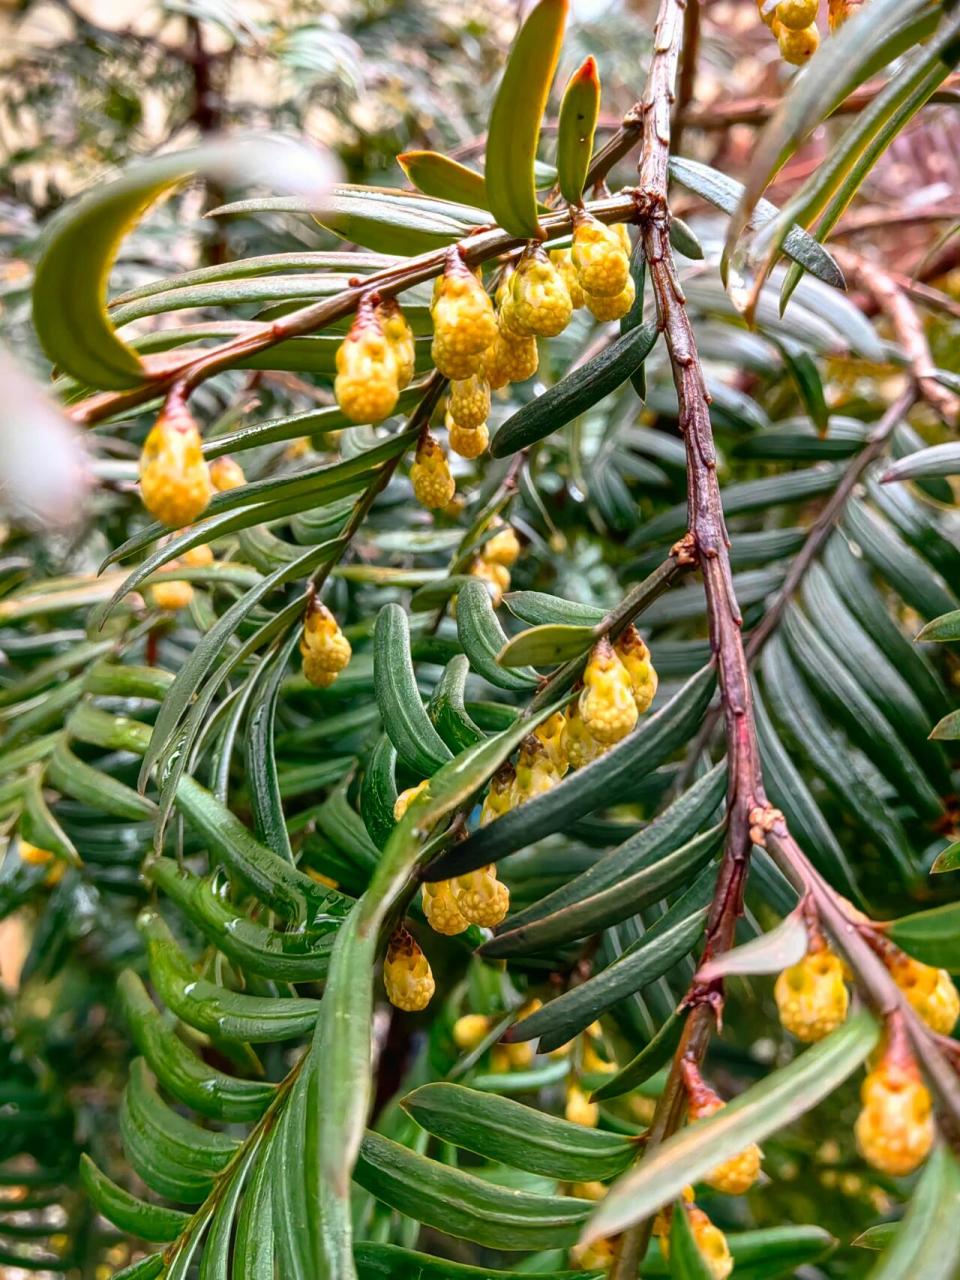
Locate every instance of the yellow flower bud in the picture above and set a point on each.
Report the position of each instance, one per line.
(399, 336)
(469, 401)
(367, 383)
(496, 576)
(406, 798)
(811, 996)
(433, 484)
(536, 771)
(612, 308)
(738, 1174)
(635, 656)
(589, 1190)
(606, 703)
(226, 473)
(503, 548)
(481, 897)
(796, 14)
(316, 674)
(551, 734)
(798, 47)
(322, 642)
(512, 1057)
(598, 255)
(895, 1129)
(468, 442)
(622, 232)
(172, 595)
(510, 358)
(469, 1030)
(711, 1242)
(33, 855)
(930, 992)
(174, 479)
(562, 259)
(579, 1109)
(539, 302)
(598, 1255)
(197, 557)
(441, 909)
(499, 797)
(579, 744)
(464, 324)
(406, 973)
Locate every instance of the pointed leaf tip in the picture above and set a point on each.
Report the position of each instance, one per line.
(514, 129)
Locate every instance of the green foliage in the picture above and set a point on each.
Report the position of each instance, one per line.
(204, 847)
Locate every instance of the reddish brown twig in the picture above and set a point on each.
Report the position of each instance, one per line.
(750, 817)
(907, 327)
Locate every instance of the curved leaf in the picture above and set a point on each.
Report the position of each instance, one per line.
(688, 1156)
(579, 110)
(514, 128)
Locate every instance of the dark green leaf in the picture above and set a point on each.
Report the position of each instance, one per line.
(763, 1109)
(509, 1133)
(579, 391)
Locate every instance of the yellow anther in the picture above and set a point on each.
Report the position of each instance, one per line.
(174, 479)
(602, 265)
(226, 473)
(606, 704)
(433, 483)
(635, 656)
(406, 973)
(481, 897)
(811, 996)
(367, 383)
(406, 798)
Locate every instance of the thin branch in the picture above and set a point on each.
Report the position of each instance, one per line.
(823, 526)
(758, 110)
(750, 817)
(908, 329)
(162, 371)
